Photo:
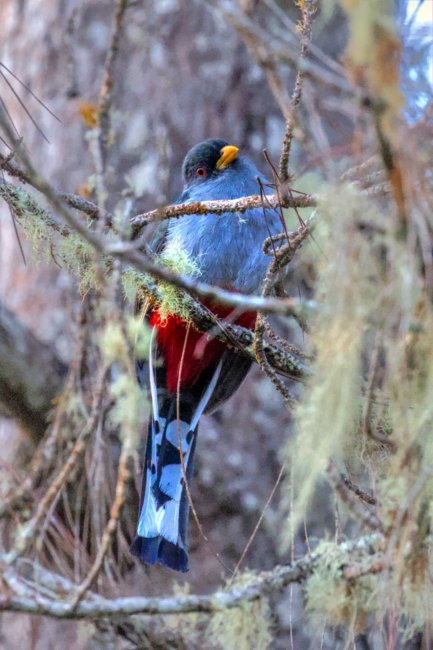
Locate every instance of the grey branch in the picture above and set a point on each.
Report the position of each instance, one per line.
(222, 206)
(73, 200)
(171, 211)
(21, 595)
(30, 374)
(267, 54)
(128, 254)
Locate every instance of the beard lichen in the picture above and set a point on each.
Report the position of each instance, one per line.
(77, 256)
(35, 221)
(173, 300)
(368, 406)
(244, 627)
(327, 418)
(116, 342)
(332, 599)
(134, 285)
(69, 250)
(129, 412)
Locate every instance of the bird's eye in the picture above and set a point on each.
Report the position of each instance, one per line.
(201, 172)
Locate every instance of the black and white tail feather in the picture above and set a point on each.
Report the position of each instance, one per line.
(162, 531)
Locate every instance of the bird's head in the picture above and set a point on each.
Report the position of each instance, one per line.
(208, 159)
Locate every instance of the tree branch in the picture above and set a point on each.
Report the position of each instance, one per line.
(223, 206)
(127, 252)
(22, 598)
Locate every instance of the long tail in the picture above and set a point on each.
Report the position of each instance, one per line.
(162, 531)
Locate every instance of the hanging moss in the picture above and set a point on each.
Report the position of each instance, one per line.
(348, 280)
(244, 627)
(187, 628)
(77, 257)
(417, 598)
(134, 285)
(333, 600)
(115, 347)
(173, 300)
(130, 410)
(112, 343)
(33, 219)
(372, 296)
(71, 252)
(139, 336)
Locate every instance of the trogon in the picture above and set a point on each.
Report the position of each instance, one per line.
(189, 373)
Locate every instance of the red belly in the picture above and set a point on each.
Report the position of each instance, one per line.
(201, 350)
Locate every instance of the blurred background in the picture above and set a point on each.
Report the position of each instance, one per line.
(183, 74)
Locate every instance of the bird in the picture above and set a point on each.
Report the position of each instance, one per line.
(185, 378)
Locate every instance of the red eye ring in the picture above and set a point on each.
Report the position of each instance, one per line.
(201, 172)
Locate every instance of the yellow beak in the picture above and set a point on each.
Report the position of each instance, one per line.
(229, 153)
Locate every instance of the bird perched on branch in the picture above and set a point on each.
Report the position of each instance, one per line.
(195, 373)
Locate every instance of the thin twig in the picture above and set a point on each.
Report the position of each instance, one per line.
(295, 100)
(106, 92)
(259, 521)
(116, 508)
(365, 516)
(282, 257)
(363, 494)
(264, 364)
(268, 54)
(27, 532)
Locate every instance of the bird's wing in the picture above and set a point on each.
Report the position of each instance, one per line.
(159, 238)
(234, 369)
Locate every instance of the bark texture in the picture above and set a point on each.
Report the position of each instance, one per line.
(30, 374)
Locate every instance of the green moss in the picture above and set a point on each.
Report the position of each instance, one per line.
(374, 314)
(33, 219)
(115, 347)
(334, 600)
(116, 342)
(130, 410)
(244, 627)
(77, 256)
(173, 300)
(112, 343)
(327, 418)
(139, 336)
(134, 285)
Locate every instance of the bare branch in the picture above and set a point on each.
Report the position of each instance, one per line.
(73, 200)
(351, 499)
(223, 206)
(307, 14)
(106, 92)
(171, 211)
(267, 54)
